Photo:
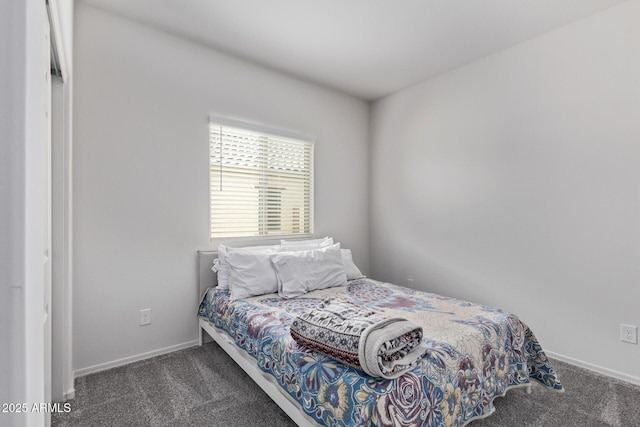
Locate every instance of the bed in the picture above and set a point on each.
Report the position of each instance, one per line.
(475, 354)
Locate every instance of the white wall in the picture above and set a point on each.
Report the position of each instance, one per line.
(141, 105)
(514, 181)
(23, 130)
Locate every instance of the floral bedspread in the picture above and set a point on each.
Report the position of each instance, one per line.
(475, 354)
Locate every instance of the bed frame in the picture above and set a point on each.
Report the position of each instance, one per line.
(206, 279)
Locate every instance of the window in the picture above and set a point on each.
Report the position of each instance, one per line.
(261, 181)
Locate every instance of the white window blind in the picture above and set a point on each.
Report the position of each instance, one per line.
(261, 183)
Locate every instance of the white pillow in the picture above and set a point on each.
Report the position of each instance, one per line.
(223, 266)
(304, 271)
(305, 245)
(352, 270)
(251, 273)
(325, 241)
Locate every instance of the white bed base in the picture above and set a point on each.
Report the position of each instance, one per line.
(265, 381)
(206, 278)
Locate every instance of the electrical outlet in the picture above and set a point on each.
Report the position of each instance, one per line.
(629, 333)
(145, 317)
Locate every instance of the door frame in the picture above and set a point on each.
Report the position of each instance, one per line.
(60, 12)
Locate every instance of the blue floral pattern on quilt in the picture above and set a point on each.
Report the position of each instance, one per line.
(475, 354)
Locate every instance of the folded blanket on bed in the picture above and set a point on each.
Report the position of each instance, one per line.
(380, 346)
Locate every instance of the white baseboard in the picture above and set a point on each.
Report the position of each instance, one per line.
(595, 368)
(126, 360)
(70, 394)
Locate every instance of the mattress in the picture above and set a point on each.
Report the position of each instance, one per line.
(475, 354)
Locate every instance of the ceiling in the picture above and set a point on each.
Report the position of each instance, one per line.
(366, 48)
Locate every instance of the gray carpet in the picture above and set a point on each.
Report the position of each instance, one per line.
(202, 386)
